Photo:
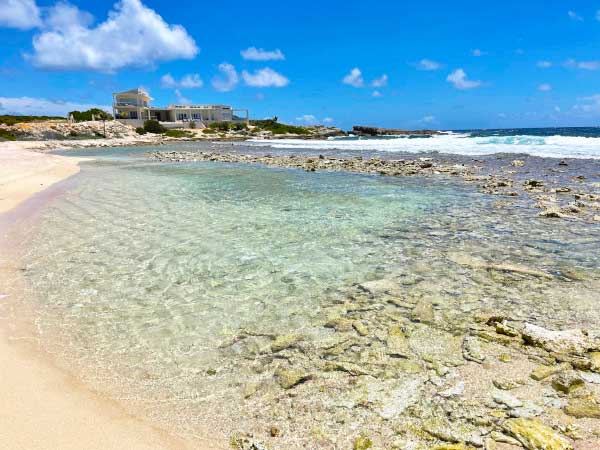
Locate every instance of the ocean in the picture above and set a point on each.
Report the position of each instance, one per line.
(543, 142)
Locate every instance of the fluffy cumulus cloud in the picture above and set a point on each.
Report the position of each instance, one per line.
(544, 87)
(574, 16)
(181, 99)
(380, 82)
(311, 119)
(307, 119)
(544, 64)
(589, 104)
(376, 94)
(31, 106)
(428, 64)
(428, 119)
(21, 14)
(459, 80)
(584, 65)
(132, 35)
(260, 54)
(228, 78)
(190, 81)
(354, 78)
(264, 78)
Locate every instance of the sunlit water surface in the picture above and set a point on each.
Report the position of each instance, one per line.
(142, 270)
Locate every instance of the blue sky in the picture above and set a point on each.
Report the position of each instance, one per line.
(433, 64)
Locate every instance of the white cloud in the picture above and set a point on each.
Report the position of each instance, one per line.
(544, 87)
(544, 64)
(328, 120)
(557, 108)
(574, 16)
(584, 65)
(265, 78)
(228, 79)
(354, 78)
(189, 81)
(41, 106)
(21, 14)
(460, 81)
(132, 35)
(376, 94)
(428, 119)
(64, 16)
(307, 119)
(428, 64)
(589, 104)
(181, 99)
(478, 52)
(260, 54)
(381, 81)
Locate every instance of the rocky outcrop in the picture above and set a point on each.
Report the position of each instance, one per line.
(360, 130)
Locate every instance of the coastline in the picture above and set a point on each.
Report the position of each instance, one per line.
(42, 406)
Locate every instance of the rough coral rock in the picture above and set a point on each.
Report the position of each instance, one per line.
(534, 435)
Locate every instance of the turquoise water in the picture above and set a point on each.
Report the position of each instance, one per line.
(141, 271)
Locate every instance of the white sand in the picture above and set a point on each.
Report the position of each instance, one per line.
(42, 407)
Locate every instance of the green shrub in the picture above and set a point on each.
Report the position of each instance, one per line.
(82, 116)
(153, 126)
(178, 133)
(140, 130)
(278, 128)
(6, 135)
(221, 126)
(208, 131)
(11, 119)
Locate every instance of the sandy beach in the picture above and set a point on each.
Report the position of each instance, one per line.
(41, 406)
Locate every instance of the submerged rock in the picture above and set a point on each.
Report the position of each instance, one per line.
(362, 443)
(472, 350)
(542, 372)
(567, 382)
(534, 435)
(571, 342)
(289, 378)
(285, 341)
(422, 312)
(583, 407)
(397, 344)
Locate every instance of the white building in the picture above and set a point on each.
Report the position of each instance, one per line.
(133, 107)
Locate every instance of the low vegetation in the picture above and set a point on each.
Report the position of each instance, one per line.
(154, 126)
(275, 127)
(12, 119)
(6, 135)
(226, 126)
(178, 133)
(90, 114)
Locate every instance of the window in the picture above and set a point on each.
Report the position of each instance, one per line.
(196, 116)
(182, 116)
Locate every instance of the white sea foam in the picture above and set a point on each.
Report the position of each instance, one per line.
(461, 144)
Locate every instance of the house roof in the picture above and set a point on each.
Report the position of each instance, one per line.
(137, 91)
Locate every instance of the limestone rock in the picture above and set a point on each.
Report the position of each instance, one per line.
(534, 435)
(397, 344)
(423, 312)
(542, 372)
(362, 443)
(289, 378)
(573, 341)
(285, 341)
(339, 324)
(360, 328)
(567, 382)
(472, 350)
(583, 407)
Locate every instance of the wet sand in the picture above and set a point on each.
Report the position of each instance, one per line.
(41, 407)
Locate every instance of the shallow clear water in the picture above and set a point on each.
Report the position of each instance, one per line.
(142, 270)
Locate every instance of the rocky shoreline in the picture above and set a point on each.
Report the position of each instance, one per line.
(575, 200)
